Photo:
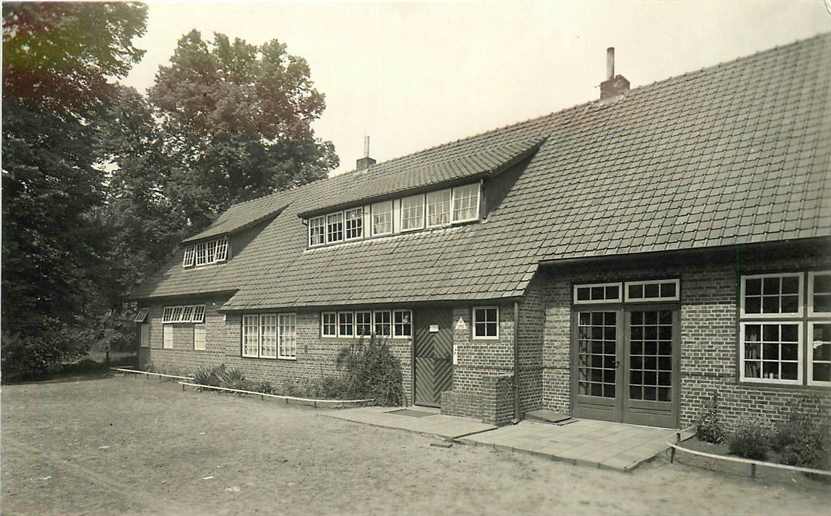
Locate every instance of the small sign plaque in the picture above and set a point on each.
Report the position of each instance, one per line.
(434, 328)
(460, 324)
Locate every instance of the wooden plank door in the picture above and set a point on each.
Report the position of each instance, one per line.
(433, 350)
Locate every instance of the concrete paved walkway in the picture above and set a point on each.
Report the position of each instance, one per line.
(415, 419)
(602, 444)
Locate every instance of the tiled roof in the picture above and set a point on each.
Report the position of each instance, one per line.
(732, 154)
(238, 217)
(481, 163)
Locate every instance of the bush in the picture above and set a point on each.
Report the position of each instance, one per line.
(371, 371)
(264, 387)
(805, 438)
(234, 379)
(750, 440)
(25, 357)
(709, 427)
(211, 377)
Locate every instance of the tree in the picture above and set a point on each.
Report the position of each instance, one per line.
(58, 59)
(237, 120)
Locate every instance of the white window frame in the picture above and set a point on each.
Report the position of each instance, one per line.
(473, 325)
(144, 335)
(207, 252)
(810, 352)
(779, 315)
(352, 323)
(427, 210)
(189, 257)
(395, 333)
(342, 233)
(391, 213)
(281, 336)
(182, 314)
(322, 227)
(388, 325)
(271, 320)
(618, 299)
(627, 284)
(221, 250)
(201, 250)
(167, 337)
(422, 201)
(811, 276)
(356, 323)
(244, 335)
(323, 324)
(799, 356)
(200, 337)
(475, 216)
(359, 219)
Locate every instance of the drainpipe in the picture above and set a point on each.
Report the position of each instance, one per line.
(516, 364)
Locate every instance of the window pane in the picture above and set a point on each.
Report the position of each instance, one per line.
(770, 285)
(268, 335)
(790, 285)
(438, 208)
(382, 218)
(402, 320)
(822, 303)
(412, 212)
(650, 290)
(345, 324)
(635, 291)
(583, 294)
(334, 227)
(753, 287)
(287, 336)
(250, 334)
(383, 323)
(770, 304)
(753, 305)
(822, 372)
(317, 235)
(353, 223)
(330, 324)
(199, 337)
(466, 202)
(612, 292)
(363, 323)
(668, 289)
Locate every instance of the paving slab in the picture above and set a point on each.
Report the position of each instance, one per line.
(602, 444)
(435, 424)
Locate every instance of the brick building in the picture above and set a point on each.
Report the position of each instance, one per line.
(623, 259)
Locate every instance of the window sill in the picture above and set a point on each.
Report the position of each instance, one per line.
(486, 338)
(782, 385)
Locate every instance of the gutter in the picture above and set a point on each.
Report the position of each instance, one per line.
(515, 420)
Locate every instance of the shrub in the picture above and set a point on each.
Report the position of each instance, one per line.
(371, 371)
(234, 379)
(709, 427)
(211, 377)
(750, 440)
(264, 387)
(25, 357)
(805, 438)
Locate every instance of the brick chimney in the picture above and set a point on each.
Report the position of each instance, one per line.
(365, 162)
(614, 85)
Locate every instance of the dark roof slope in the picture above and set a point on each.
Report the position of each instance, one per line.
(239, 217)
(732, 154)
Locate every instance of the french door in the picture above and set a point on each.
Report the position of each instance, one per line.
(625, 364)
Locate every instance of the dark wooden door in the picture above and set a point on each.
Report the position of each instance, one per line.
(433, 350)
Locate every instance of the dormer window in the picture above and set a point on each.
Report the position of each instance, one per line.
(317, 231)
(438, 208)
(206, 253)
(382, 218)
(353, 223)
(466, 203)
(334, 227)
(412, 213)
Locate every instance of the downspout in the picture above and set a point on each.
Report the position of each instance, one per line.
(516, 364)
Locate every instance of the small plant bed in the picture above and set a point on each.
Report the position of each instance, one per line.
(318, 403)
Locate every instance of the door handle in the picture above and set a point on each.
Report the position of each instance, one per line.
(617, 364)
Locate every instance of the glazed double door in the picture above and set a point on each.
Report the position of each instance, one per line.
(625, 365)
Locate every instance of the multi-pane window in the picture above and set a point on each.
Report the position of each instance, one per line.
(206, 253)
(383, 323)
(486, 322)
(596, 354)
(402, 323)
(382, 218)
(771, 295)
(346, 324)
(650, 356)
(466, 202)
(167, 337)
(597, 293)
(819, 286)
(200, 334)
(144, 335)
(334, 227)
(438, 208)
(198, 313)
(819, 353)
(287, 336)
(353, 221)
(250, 335)
(183, 314)
(329, 324)
(363, 323)
(412, 213)
(268, 336)
(771, 352)
(317, 231)
(661, 290)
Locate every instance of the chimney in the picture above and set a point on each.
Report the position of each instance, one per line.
(365, 162)
(614, 85)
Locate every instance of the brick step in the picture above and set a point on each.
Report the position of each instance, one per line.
(546, 416)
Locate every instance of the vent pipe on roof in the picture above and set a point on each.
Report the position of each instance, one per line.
(614, 85)
(365, 162)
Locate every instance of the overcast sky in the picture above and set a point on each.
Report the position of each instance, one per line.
(417, 74)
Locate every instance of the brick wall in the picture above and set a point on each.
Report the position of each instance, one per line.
(497, 399)
(709, 336)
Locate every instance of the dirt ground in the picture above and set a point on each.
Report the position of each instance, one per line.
(126, 445)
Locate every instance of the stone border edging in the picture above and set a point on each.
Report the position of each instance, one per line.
(330, 404)
(753, 463)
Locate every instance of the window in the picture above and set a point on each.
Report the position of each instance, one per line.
(771, 295)
(665, 290)
(287, 337)
(268, 335)
(334, 227)
(486, 322)
(819, 353)
(199, 337)
(345, 324)
(363, 323)
(412, 213)
(329, 324)
(141, 315)
(317, 234)
(144, 335)
(187, 261)
(597, 293)
(167, 337)
(819, 293)
(383, 323)
(250, 334)
(353, 223)
(211, 254)
(222, 249)
(382, 218)
(771, 352)
(438, 208)
(402, 323)
(183, 314)
(466, 203)
(201, 253)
